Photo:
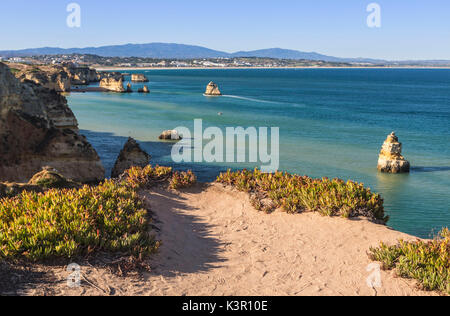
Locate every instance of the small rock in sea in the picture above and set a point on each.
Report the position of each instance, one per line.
(212, 89)
(391, 159)
(170, 135)
(130, 156)
(129, 89)
(144, 90)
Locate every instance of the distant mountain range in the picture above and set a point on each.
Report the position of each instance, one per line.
(180, 51)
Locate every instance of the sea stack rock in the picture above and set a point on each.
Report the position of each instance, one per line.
(114, 84)
(144, 90)
(391, 159)
(129, 89)
(212, 89)
(139, 78)
(170, 135)
(131, 156)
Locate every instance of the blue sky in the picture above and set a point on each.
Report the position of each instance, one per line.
(411, 29)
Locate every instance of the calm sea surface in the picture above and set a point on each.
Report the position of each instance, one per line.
(332, 123)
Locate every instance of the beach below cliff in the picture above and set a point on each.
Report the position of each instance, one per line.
(215, 243)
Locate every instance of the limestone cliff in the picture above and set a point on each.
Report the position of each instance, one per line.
(82, 75)
(131, 156)
(113, 83)
(139, 78)
(38, 129)
(391, 159)
(50, 77)
(58, 77)
(212, 90)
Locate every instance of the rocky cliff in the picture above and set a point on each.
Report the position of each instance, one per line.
(131, 156)
(113, 83)
(212, 89)
(139, 78)
(38, 129)
(391, 159)
(56, 77)
(82, 75)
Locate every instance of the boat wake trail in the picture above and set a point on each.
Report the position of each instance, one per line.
(261, 101)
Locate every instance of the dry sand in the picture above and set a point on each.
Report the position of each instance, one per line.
(216, 243)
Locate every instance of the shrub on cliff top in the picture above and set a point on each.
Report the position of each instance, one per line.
(68, 223)
(137, 177)
(427, 262)
(296, 194)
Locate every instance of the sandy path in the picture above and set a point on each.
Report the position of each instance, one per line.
(215, 243)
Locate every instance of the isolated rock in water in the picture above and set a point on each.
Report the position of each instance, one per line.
(144, 90)
(212, 89)
(170, 135)
(391, 159)
(38, 129)
(131, 156)
(129, 89)
(114, 84)
(139, 78)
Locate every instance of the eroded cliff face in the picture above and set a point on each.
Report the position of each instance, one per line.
(131, 155)
(56, 77)
(113, 82)
(83, 75)
(38, 129)
(139, 78)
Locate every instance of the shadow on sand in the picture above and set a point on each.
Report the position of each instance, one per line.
(187, 244)
(16, 280)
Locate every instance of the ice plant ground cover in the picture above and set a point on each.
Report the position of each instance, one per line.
(426, 261)
(295, 194)
(67, 223)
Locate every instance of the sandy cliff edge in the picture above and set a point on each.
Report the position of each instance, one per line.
(215, 243)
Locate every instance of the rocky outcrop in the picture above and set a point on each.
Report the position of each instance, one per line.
(129, 89)
(139, 78)
(58, 81)
(50, 178)
(212, 89)
(391, 159)
(113, 83)
(50, 77)
(82, 75)
(131, 156)
(144, 90)
(38, 129)
(170, 135)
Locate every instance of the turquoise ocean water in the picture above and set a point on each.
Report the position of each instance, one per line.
(332, 123)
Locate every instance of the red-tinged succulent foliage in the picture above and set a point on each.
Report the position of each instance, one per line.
(74, 222)
(426, 261)
(296, 194)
